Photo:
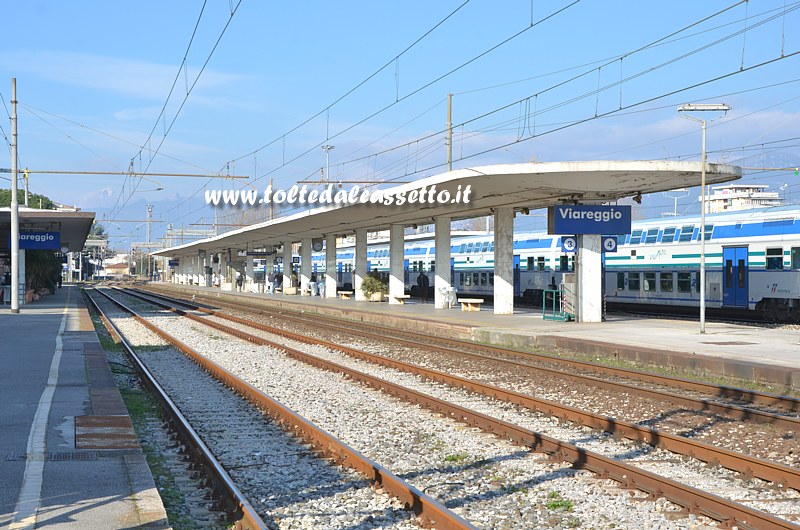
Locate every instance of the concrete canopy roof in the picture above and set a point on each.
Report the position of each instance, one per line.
(74, 226)
(530, 185)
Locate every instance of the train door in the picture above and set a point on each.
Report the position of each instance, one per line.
(735, 272)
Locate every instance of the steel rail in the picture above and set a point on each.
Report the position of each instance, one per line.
(245, 516)
(752, 396)
(748, 465)
(735, 411)
(692, 499)
(431, 513)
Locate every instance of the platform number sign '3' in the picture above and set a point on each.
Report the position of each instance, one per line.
(569, 243)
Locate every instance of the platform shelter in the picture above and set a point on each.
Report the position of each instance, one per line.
(499, 190)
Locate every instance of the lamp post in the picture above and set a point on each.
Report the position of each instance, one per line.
(703, 107)
(327, 148)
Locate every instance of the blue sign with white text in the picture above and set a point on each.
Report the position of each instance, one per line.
(589, 219)
(39, 240)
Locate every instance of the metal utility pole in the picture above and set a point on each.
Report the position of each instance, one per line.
(14, 203)
(449, 138)
(701, 107)
(327, 149)
(149, 220)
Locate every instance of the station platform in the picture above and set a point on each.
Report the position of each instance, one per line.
(750, 353)
(70, 456)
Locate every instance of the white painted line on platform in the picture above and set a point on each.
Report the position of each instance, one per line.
(30, 494)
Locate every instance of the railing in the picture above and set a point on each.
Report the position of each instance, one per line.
(554, 307)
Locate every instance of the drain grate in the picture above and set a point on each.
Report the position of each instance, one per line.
(75, 456)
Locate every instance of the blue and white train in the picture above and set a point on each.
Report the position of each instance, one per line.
(752, 262)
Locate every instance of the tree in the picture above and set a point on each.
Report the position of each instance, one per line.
(34, 200)
(42, 267)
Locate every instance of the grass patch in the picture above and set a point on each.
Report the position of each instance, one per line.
(456, 458)
(557, 502)
(141, 406)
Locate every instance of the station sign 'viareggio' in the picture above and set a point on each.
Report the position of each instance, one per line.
(588, 219)
(38, 240)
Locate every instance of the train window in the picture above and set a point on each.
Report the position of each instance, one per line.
(652, 236)
(775, 258)
(665, 282)
(540, 263)
(620, 281)
(649, 283)
(466, 279)
(697, 281)
(686, 233)
(796, 258)
(633, 281)
(530, 263)
(414, 267)
(463, 247)
(433, 266)
(564, 263)
(669, 235)
(684, 282)
(491, 246)
(621, 239)
(636, 236)
(475, 279)
(708, 231)
(469, 247)
(728, 273)
(483, 279)
(491, 279)
(485, 246)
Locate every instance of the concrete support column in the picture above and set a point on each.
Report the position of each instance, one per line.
(442, 281)
(588, 277)
(249, 280)
(396, 256)
(305, 266)
(330, 266)
(360, 263)
(504, 261)
(287, 265)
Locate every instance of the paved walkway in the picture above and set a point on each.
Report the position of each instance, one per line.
(69, 455)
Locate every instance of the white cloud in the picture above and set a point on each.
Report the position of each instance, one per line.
(127, 77)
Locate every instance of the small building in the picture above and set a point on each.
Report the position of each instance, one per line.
(741, 197)
(117, 270)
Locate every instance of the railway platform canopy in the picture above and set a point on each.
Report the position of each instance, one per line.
(501, 190)
(72, 226)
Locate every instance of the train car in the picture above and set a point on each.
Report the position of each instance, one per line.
(752, 263)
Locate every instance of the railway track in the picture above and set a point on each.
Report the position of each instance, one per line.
(553, 446)
(781, 404)
(241, 440)
(735, 402)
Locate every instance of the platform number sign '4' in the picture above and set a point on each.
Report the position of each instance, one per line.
(609, 244)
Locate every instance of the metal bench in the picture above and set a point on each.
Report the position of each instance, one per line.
(345, 295)
(401, 298)
(470, 304)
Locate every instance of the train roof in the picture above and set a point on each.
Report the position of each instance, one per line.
(738, 216)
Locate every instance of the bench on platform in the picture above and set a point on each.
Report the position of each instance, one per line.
(345, 295)
(470, 304)
(401, 298)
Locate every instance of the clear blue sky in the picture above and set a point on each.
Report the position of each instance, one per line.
(93, 78)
